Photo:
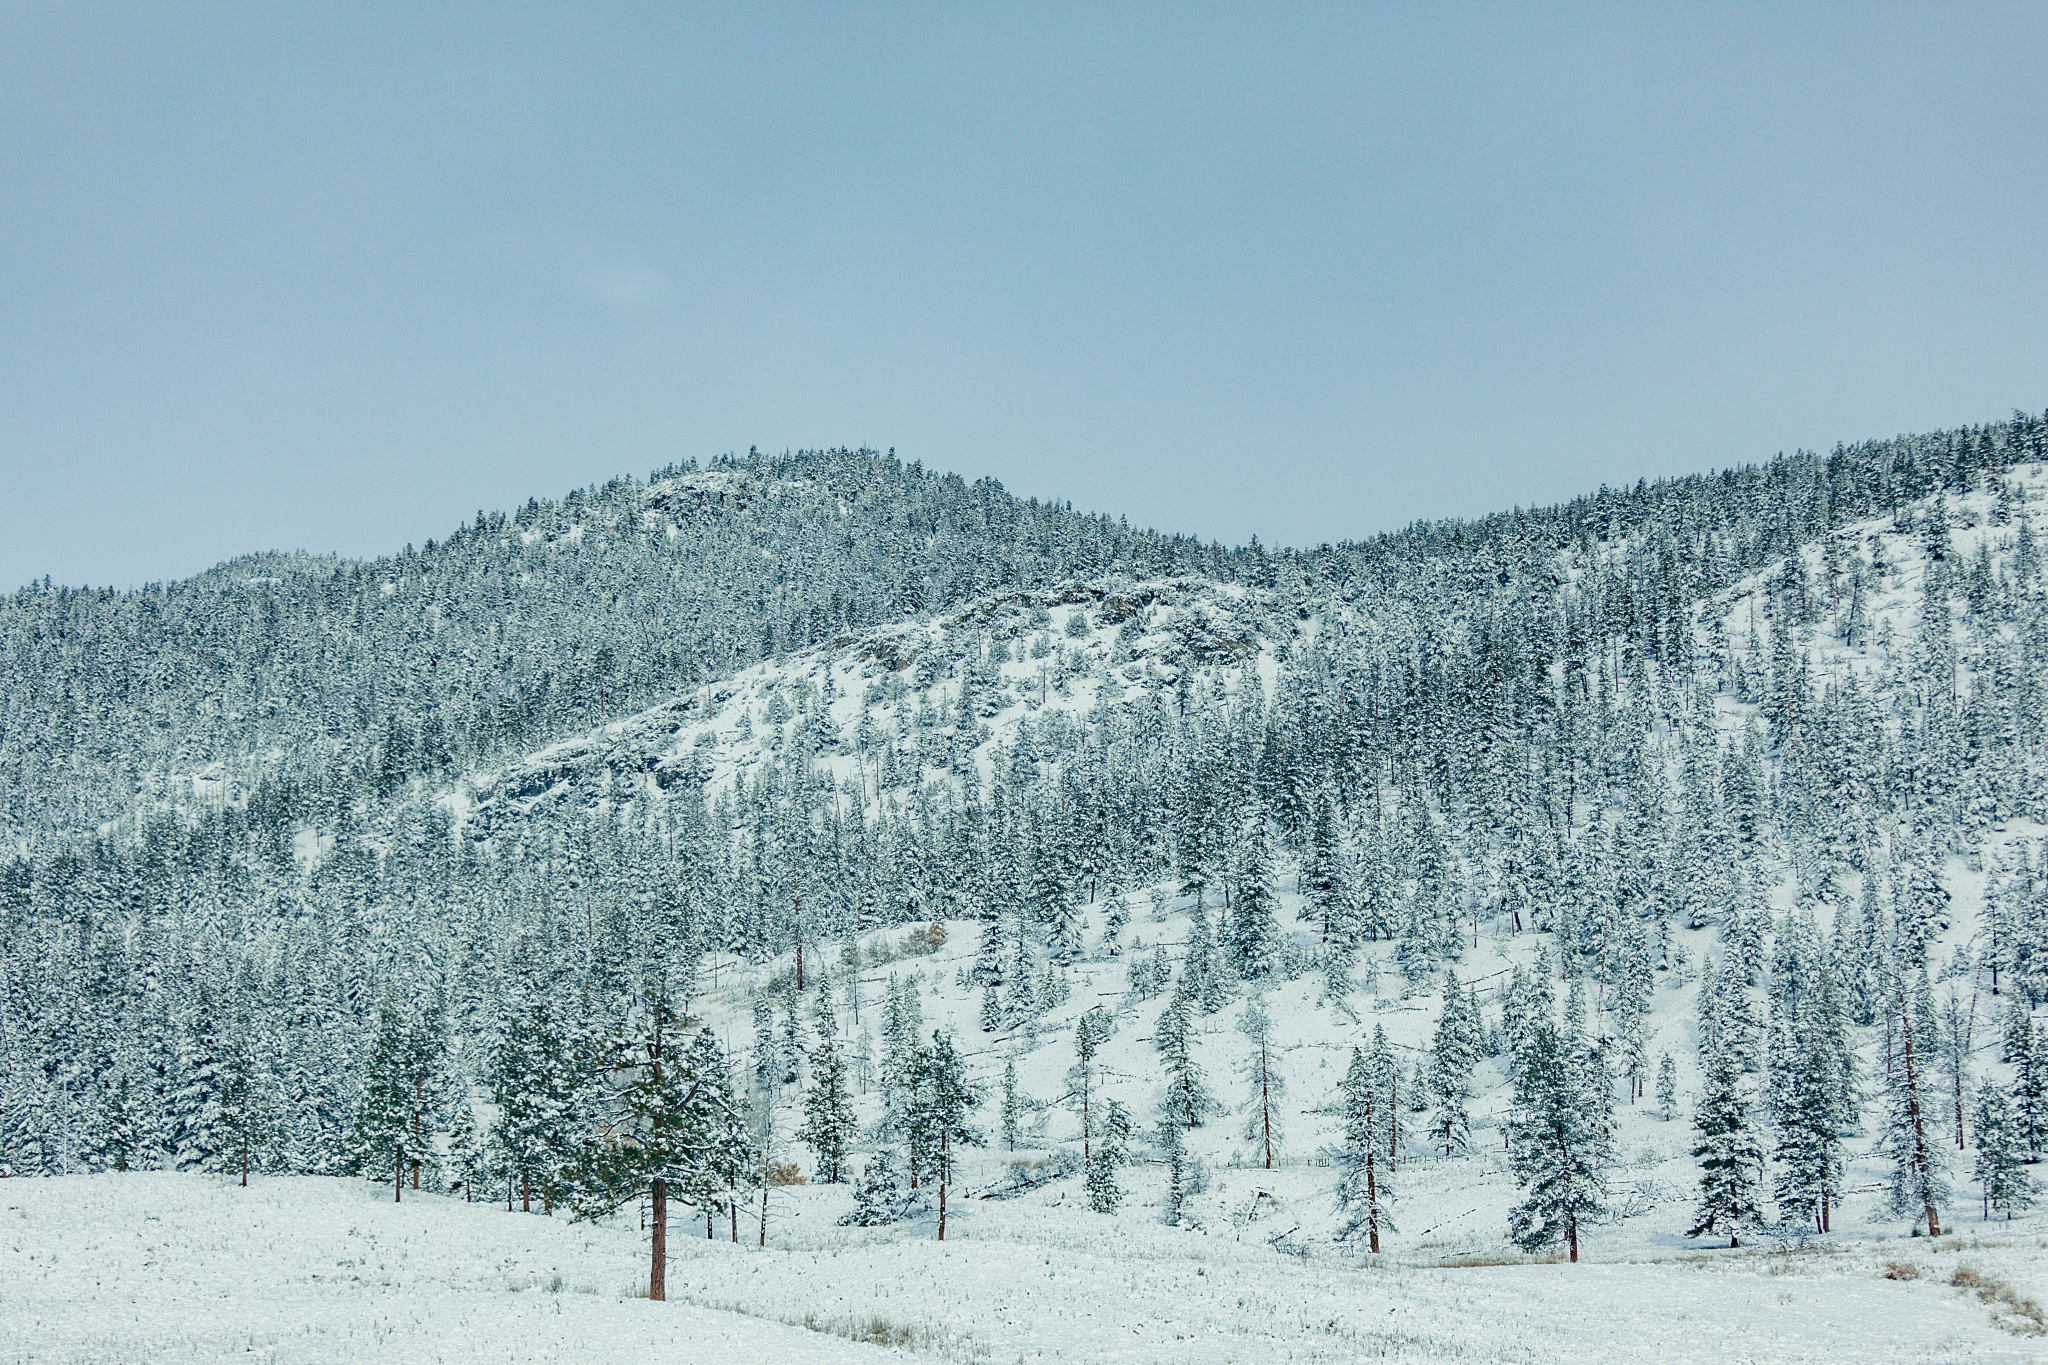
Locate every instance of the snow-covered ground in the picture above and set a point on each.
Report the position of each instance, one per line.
(169, 1268)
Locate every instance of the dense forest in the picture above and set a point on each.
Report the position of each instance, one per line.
(396, 868)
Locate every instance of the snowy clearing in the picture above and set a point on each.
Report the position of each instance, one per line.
(171, 1268)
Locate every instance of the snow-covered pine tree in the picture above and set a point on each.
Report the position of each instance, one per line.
(1918, 1184)
(381, 1130)
(2001, 1171)
(1365, 1189)
(878, 1194)
(659, 1126)
(1264, 1082)
(1558, 1146)
(1111, 1151)
(468, 1148)
(1809, 1142)
(1730, 1155)
(1172, 1137)
(943, 1097)
(1254, 937)
(536, 1084)
(1012, 1106)
(829, 1125)
(2030, 1093)
(1667, 1086)
(1186, 1100)
(1454, 1051)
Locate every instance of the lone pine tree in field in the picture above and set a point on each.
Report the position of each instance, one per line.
(660, 1125)
(1730, 1156)
(1558, 1145)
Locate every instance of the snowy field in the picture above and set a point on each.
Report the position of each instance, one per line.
(168, 1268)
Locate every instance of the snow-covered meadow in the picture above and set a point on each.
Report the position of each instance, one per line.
(171, 1268)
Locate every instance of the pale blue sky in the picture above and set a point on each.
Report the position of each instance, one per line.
(334, 277)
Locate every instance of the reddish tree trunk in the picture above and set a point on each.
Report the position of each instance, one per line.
(657, 1273)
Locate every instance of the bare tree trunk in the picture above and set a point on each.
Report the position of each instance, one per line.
(525, 1194)
(1571, 1232)
(398, 1175)
(1393, 1110)
(1266, 1103)
(1372, 1204)
(942, 1185)
(657, 1271)
(245, 1158)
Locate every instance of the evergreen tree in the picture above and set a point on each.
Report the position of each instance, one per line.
(1809, 1145)
(1919, 1179)
(1263, 1080)
(1364, 1190)
(468, 1149)
(536, 1086)
(943, 1096)
(1454, 1051)
(878, 1194)
(1111, 1151)
(660, 1126)
(1089, 1033)
(1173, 1147)
(2030, 1094)
(1013, 1105)
(1187, 1100)
(1558, 1146)
(381, 1130)
(1667, 1086)
(2001, 1171)
(1254, 940)
(1730, 1156)
(829, 1124)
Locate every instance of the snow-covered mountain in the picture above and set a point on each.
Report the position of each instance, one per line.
(1742, 769)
